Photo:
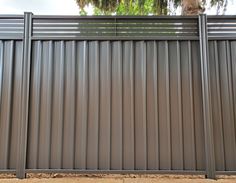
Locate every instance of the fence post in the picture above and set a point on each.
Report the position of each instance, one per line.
(206, 95)
(22, 133)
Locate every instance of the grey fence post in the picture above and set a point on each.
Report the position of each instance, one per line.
(206, 94)
(22, 141)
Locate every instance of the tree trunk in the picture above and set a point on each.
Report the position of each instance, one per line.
(191, 7)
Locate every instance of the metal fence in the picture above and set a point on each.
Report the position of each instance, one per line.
(118, 94)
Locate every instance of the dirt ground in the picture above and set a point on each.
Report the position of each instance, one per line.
(74, 178)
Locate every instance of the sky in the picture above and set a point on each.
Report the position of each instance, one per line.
(68, 7)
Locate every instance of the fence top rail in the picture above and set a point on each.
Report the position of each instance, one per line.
(6, 16)
(112, 17)
(221, 17)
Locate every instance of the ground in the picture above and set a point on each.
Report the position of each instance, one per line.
(72, 178)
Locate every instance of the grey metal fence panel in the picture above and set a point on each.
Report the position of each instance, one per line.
(115, 105)
(10, 88)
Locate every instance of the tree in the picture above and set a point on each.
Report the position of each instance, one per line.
(191, 7)
(147, 7)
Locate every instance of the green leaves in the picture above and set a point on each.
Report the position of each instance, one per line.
(136, 7)
(125, 7)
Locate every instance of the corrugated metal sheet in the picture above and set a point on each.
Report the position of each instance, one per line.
(115, 105)
(11, 27)
(100, 27)
(221, 27)
(10, 86)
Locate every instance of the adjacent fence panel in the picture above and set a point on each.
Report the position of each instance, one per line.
(10, 88)
(222, 65)
(222, 49)
(11, 47)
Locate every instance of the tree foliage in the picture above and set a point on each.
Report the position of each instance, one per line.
(139, 7)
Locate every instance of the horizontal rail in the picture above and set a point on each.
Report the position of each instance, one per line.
(11, 16)
(116, 38)
(225, 172)
(221, 38)
(8, 37)
(7, 171)
(222, 16)
(79, 171)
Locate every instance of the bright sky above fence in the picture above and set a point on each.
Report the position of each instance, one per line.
(68, 7)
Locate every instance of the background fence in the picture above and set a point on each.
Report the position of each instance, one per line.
(118, 94)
